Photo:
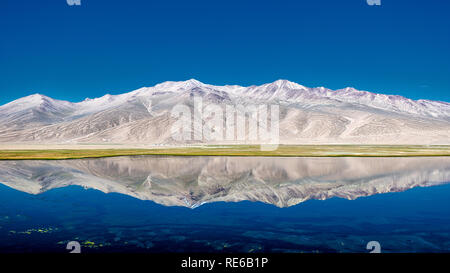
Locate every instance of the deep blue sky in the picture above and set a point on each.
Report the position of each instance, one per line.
(114, 46)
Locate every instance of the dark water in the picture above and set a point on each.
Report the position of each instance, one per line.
(225, 204)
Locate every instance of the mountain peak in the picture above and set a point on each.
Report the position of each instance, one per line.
(282, 83)
(194, 81)
(37, 102)
(191, 83)
(36, 95)
(175, 85)
(34, 99)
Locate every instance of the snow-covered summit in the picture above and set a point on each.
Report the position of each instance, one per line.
(36, 101)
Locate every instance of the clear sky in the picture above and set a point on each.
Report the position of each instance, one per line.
(115, 46)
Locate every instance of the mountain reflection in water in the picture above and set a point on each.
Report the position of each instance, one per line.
(193, 181)
(242, 204)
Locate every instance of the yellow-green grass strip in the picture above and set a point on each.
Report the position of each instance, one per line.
(236, 150)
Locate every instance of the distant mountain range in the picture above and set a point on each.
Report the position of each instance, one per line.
(191, 182)
(307, 115)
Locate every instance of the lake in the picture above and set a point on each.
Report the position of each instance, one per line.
(226, 204)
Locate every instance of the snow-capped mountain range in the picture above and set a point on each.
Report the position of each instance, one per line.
(307, 115)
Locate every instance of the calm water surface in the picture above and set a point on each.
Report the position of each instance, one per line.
(226, 204)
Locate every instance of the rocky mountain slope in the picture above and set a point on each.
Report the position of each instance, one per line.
(307, 115)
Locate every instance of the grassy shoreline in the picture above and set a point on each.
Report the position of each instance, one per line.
(235, 150)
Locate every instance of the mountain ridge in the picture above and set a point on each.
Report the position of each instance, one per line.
(196, 83)
(307, 115)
